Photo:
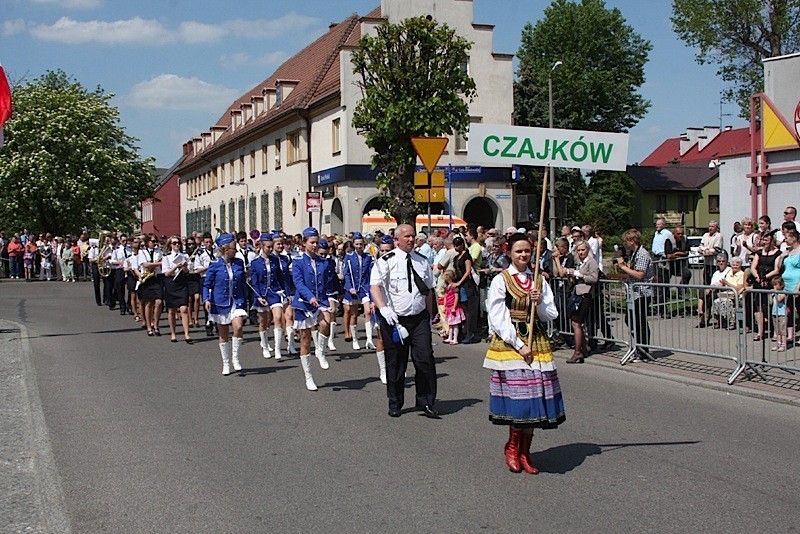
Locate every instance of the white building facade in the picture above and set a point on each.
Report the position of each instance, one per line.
(292, 134)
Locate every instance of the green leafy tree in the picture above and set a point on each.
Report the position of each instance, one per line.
(595, 88)
(737, 35)
(413, 84)
(67, 163)
(609, 203)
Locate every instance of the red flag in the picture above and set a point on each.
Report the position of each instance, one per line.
(5, 98)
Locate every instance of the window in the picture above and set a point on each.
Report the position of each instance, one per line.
(278, 95)
(278, 196)
(713, 203)
(293, 149)
(241, 215)
(264, 160)
(465, 67)
(252, 164)
(188, 222)
(213, 178)
(241, 168)
(661, 203)
(683, 203)
(231, 217)
(231, 167)
(461, 141)
(265, 211)
(277, 153)
(335, 130)
(252, 211)
(222, 215)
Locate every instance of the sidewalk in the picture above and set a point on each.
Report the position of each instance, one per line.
(780, 386)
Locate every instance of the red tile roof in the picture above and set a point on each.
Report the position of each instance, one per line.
(316, 71)
(727, 143)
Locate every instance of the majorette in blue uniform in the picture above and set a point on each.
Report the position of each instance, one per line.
(357, 269)
(266, 277)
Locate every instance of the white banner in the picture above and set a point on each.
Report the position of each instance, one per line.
(521, 145)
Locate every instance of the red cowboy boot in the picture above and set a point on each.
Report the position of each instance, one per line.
(524, 457)
(512, 449)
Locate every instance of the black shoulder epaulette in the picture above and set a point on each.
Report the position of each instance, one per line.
(420, 255)
(387, 256)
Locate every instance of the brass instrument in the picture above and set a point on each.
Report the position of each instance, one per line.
(149, 273)
(102, 266)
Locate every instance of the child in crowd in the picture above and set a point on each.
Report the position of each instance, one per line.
(452, 308)
(779, 314)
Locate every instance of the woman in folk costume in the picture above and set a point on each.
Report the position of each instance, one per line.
(310, 303)
(524, 389)
(266, 280)
(223, 299)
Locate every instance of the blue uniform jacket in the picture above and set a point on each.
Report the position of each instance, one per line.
(332, 280)
(357, 276)
(223, 292)
(264, 282)
(286, 271)
(309, 284)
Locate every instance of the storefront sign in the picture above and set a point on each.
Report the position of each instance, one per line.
(314, 201)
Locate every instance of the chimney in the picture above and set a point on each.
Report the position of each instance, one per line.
(689, 139)
(185, 149)
(709, 134)
(189, 148)
(216, 133)
(258, 105)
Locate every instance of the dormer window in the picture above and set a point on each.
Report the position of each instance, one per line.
(278, 94)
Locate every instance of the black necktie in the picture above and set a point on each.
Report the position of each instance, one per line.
(410, 272)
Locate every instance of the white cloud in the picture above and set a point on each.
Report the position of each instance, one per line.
(267, 28)
(14, 27)
(169, 91)
(198, 32)
(71, 4)
(239, 59)
(130, 31)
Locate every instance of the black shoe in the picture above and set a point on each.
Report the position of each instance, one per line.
(210, 331)
(429, 412)
(394, 412)
(189, 341)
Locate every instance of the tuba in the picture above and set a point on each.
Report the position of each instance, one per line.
(102, 266)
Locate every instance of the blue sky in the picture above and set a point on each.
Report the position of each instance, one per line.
(175, 65)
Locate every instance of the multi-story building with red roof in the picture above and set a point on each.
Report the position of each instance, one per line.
(292, 134)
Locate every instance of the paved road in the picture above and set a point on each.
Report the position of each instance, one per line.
(147, 436)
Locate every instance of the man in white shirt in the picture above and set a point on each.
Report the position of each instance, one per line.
(400, 285)
(710, 245)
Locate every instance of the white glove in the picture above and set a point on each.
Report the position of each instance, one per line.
(578, 274)
(389, 315)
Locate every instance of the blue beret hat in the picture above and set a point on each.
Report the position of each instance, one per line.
(357, 235)
(266, 236)
(387, 240)
(323, 243)
(310, 232)
(224, 239)
(276, 235)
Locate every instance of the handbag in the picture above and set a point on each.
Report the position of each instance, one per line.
(462, 294)
(574, 303)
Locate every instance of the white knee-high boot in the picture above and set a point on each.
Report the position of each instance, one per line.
(278, 338)
(320, 350)
(290, 340)
(264, 344)
(237, 342)
(356, 346)
(306, 362)
(226, 358)
(331, 346)
(315, 338)
(382, 365)
(368, 327)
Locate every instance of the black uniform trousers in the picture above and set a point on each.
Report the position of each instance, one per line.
(96, 283)
(419, 343)
(119, 288)
(109, 296)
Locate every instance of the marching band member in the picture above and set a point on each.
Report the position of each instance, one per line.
(244, 251)
(266, 281)
(117, 277)
(357, 268)
(279, 248)
(311, 303)
(104, 260)
(131, 266)
(204, 257)
(92, 256)
(193, 282)
(223, 299)
(150, 290)
(334, 289)
(174, 266)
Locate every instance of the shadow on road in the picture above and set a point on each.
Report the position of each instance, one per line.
(355, 384)
(565, 458)
(263, 370)
(446, 407)
(96, 332)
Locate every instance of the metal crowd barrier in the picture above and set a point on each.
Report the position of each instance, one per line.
(698, 319)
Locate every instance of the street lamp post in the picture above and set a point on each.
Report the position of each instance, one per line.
(552, 170)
